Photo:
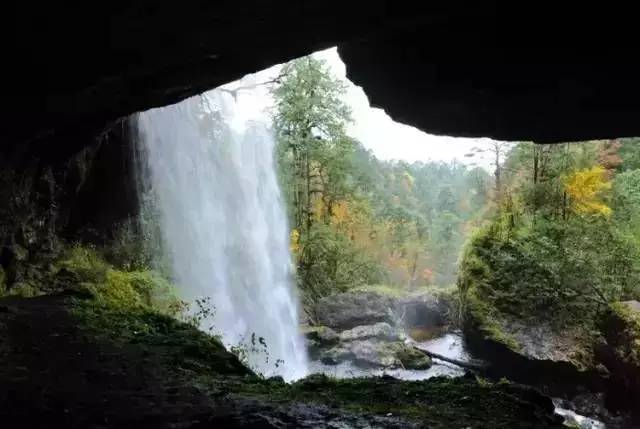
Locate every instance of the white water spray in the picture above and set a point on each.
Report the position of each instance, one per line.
(223, 224)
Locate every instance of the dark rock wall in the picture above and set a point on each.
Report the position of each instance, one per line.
(77, 66)
(507, 71)
(49, 197)
(546, 72)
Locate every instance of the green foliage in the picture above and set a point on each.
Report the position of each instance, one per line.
(117, 288)
(552, 268)
(180, 346)
(549, 255)
(621, 326)
(137, 241)
(329, 263)
(626, 201)
(630, 154)
(355, 218)
(85, 262)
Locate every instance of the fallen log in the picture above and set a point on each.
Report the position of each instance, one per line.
(472, 366)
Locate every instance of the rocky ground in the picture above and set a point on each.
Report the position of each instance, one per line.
(66, 361)
(596, 372)
(369, 328)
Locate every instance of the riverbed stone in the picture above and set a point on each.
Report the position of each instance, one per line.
(426, 310)
(335, 355)
(321, 335)
(413, 359)
(375, 353)
(348, 310)
(380, 330)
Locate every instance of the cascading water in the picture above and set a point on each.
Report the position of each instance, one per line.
(223, 224)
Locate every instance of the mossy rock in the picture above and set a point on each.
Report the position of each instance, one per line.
(321, 335)
(173, 373)
(621, 328)
(440, 402)
(480, 319)
(24, 290)
(3, 281)
(180, 345)
(413, 359)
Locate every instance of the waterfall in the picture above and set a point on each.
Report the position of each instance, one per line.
(223, 225)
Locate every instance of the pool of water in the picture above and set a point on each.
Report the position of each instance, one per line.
(576, 419)
(450, 345)
(349, 370)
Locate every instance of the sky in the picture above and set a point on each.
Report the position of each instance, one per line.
(372, 127)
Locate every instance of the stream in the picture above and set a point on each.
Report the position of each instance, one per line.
(450, 345)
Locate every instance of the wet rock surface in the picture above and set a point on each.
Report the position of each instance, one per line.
(473, 82)
(376, 353)
(620, 354)
(66, 363)
(348, 310)
(381, 330)
(345, 311)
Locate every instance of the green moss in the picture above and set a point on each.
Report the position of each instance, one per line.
(135, 289)
(437, 403)
(199, 359)
(413, 359)
(24, 290)
(622, 329)
(484, 320)
(84, 268)
(85, 262)
(385, 290)
(180, 346)
(3, 281)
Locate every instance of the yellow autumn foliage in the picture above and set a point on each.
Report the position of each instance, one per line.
(294, 241)
(585, 187)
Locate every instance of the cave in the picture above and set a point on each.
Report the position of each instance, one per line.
(543, 73)
(494, 70)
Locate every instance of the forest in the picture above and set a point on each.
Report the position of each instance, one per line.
(533, 258)
(562, 237)
(357, 220)
(546, 229)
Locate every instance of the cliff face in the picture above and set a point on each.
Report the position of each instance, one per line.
(546, 73)
(52, 197)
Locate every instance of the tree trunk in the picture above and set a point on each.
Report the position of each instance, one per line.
(475, 367)
(308, 177)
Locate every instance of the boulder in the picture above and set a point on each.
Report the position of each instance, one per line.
(412, 358)
(380, 330)
(335, 355)
(426, 310)
(377, 354)
(356, 308)
(348, 310)
(374, 353)
(321, 335)
(620, 353)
